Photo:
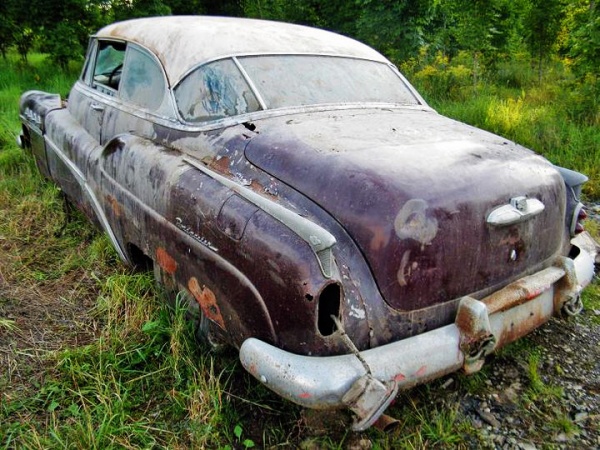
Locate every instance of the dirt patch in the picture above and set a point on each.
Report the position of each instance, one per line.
(40, 316)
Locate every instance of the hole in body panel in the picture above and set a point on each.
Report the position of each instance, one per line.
(329, 305)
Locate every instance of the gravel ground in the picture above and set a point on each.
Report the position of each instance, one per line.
(509, 417)
(593, 211)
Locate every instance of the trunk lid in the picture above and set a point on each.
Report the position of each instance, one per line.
(414, 189)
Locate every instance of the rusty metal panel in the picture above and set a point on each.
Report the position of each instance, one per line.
(413, 225)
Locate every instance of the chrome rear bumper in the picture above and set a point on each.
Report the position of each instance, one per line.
(481, 326)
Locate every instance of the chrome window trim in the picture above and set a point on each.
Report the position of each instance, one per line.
(250, 82)
(421, 102)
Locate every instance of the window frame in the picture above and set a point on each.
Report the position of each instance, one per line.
(244, 75)
(167, 109)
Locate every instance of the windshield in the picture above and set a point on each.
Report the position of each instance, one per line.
(219, 89)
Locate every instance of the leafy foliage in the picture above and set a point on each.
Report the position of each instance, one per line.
(395, 27)
(543, 22)
(488, 30)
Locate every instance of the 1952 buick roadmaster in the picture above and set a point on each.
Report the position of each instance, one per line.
(320, 217)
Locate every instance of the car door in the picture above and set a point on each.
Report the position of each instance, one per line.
(99, 87)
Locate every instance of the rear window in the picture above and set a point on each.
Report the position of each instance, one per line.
(214, 91)
(297, 80)
(219, 89)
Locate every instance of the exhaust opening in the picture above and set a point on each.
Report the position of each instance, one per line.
(329, 305)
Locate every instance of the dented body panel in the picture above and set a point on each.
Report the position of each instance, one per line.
(328, 230)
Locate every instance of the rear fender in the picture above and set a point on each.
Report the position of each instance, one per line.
(163, 206)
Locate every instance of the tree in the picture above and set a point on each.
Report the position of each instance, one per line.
(585, 39)
(64, 26)
(397, 28)
(473, 24)
(543, 23)
(300, 12)
(7, 27)
(186, 7)
(129, 9)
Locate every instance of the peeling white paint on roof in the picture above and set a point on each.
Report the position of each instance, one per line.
(182, 42)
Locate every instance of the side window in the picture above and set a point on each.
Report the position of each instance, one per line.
(214, 91)
(143, 82)
(109, 63)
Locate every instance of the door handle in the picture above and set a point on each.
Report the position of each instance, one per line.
(97, 107)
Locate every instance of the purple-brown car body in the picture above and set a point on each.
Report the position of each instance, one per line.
(323, 219)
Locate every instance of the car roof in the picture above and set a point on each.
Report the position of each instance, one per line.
(182, 42)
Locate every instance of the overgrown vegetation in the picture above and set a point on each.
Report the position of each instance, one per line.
(559, 118)
(97, 361)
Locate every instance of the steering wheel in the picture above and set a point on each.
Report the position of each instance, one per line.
(115, 71)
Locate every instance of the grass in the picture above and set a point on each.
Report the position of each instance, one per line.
(536, 123)
(101, 362)
(559, 119)
(537, 386)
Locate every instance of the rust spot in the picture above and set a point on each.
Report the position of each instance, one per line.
(165, 261)
(533, 294)
(380, 239)
(262, 190)
(403, 273)
(512, 238)
(116, 208)
(256, 186)
(207, 301)
(513, 295)
(220, 164)
(519, 328)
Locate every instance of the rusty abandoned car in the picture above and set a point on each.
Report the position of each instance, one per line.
(324, 220)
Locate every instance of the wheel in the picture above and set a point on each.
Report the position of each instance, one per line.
(205, 331)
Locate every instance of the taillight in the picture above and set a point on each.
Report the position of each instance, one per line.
(579, 216)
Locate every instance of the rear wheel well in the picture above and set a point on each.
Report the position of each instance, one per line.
(140, 261)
